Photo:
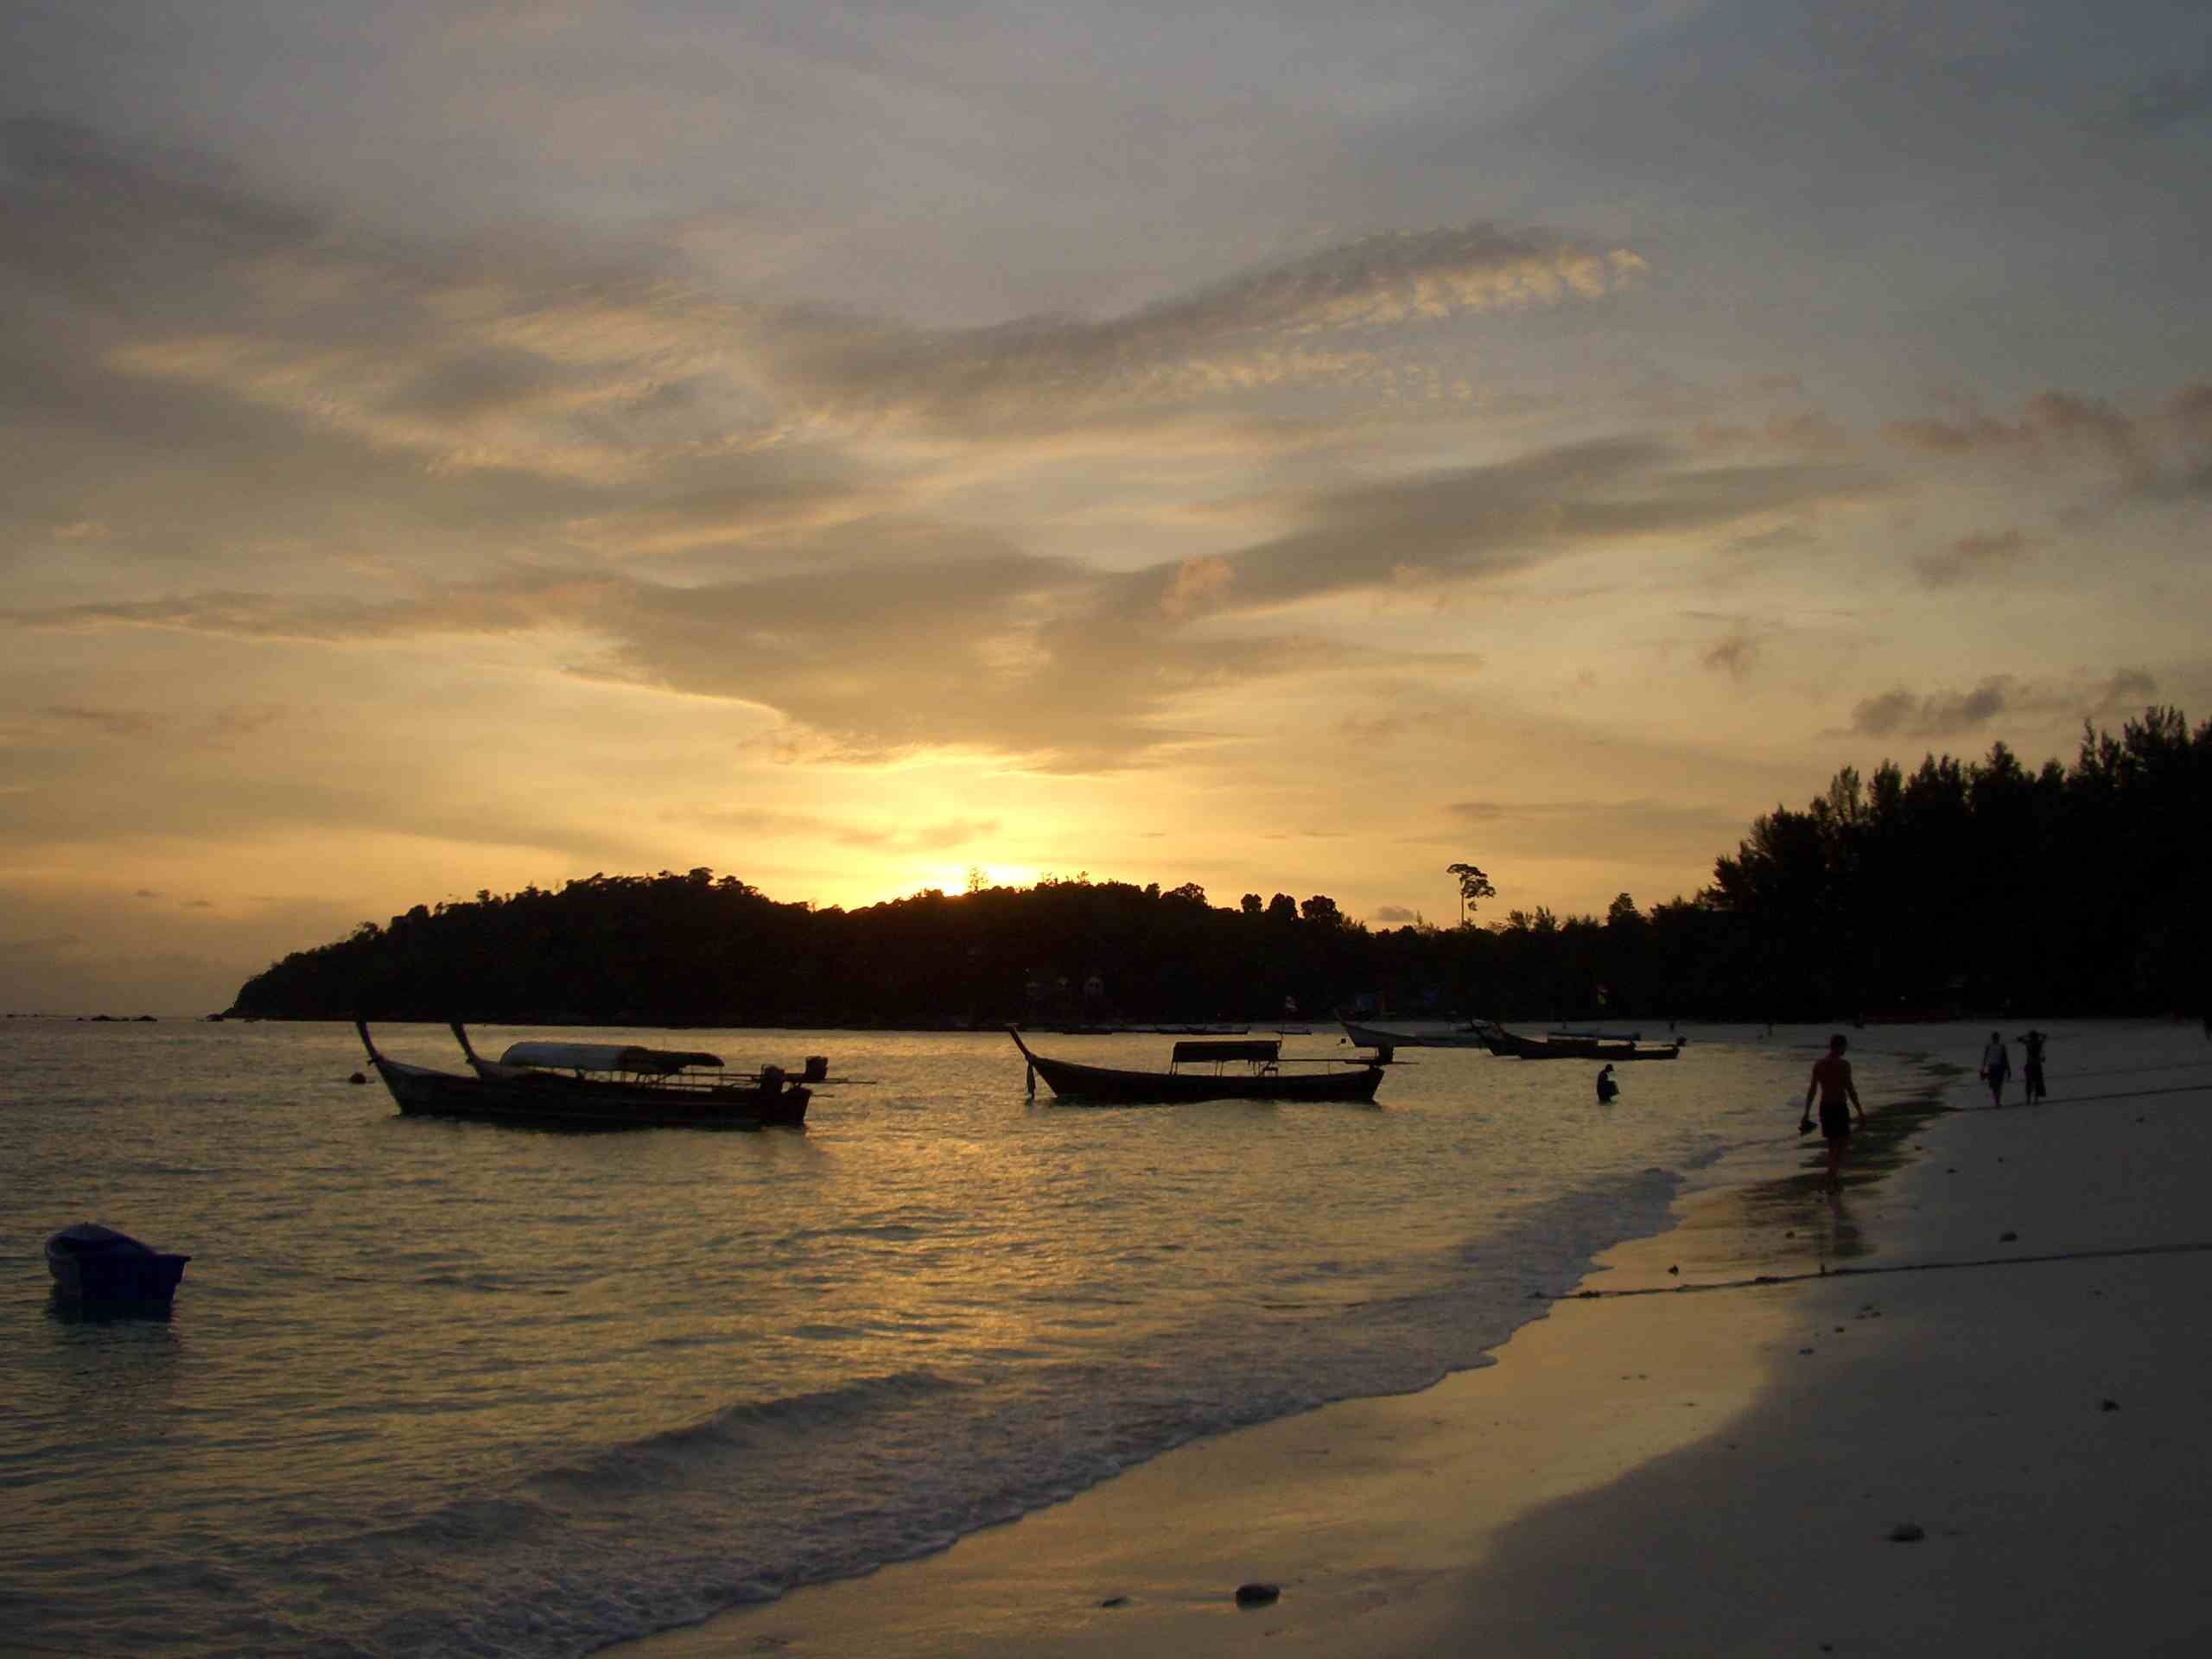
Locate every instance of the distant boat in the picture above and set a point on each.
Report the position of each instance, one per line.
(95, 1264)
(1513, 1046)
(1258, 1075)
(599, 1086)
(1376, 1037)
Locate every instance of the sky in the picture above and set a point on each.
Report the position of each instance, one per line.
(868, 448)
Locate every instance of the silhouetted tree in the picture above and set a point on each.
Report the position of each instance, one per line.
(1473, 884)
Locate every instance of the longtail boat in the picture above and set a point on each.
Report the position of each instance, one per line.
(1247, 1069)
(599, 1086)
(1513, 1046)
(1384, 1040)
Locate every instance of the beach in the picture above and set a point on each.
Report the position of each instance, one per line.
(1961, 1409)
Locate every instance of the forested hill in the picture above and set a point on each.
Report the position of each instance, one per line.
(1959, 887)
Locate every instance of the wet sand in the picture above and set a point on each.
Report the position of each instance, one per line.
(1918, 1435)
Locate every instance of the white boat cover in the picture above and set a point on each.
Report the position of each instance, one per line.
(604, 1056)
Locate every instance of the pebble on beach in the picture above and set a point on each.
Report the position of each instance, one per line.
(1257, 1595)
(1907, 1532)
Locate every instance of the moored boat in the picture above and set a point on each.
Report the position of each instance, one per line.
(1379, 1038)
(599, 1086)
(1248, 1069)
(1512, 1046)
(95, 1264)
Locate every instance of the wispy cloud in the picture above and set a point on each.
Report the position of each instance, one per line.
(1641, 828)
(104, 722)
(1735, 655)
(937, 837)
(2163, 450)
(1972, 557)
(958, 644)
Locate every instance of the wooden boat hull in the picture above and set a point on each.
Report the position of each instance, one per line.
(1512, 1047)
(111, 1269)
(551, 1100)
(1099, 1085)
(1376, 1037)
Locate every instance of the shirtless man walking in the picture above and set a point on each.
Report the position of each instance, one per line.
(1832, 1081)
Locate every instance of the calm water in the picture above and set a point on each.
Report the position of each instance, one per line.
(435, 1388)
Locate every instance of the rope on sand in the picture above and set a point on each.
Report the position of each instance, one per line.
(2077, 1100)
(1761, 1279)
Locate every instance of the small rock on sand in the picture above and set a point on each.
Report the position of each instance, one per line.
(1907, 1532)
(1257, 1595)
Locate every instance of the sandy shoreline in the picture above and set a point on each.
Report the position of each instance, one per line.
(1695, 1462)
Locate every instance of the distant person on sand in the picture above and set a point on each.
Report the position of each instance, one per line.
(1607, 1087)
(1839, 1095)
(1996, 1067)
(2031, 1042)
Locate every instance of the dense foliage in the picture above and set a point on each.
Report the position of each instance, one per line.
(1958, 887)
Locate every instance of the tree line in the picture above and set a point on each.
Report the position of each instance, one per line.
(1959, 887)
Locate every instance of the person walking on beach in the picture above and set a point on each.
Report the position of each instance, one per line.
(1996, 1067)
(2031, 1043)
(1839, 1095)
(1607, 1087)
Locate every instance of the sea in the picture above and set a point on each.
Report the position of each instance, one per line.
(434, 1388)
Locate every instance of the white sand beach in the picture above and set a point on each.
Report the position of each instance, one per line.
(1966, 1415)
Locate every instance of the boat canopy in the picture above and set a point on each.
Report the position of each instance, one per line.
(1259, 1051)
(604, 1056)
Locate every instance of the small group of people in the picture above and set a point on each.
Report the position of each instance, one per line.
(1997, 1066)
(1838, 1096)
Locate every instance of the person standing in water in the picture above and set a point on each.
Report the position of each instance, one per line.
(1996, 1067)
(1831, 1081)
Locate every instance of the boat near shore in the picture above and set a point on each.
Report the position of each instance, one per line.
(1512, 1046)
(1382, 1040)
(1247, 1069)
(97, 1266)
(600, 1086)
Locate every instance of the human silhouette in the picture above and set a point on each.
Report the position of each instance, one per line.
(1832, 1081)
(1996, 1068)
(1607, 1089)
(2031, 1042)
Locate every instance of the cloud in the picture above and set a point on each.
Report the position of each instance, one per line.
(623, 376)
(1901, 713)
(1394, 915)
(1971, 557)
(1736, 655)
(899, 637)
(941, 836)
(104, 722)
(1293, 322)
(2167, 451)
(1640, 828)
(1904, 713)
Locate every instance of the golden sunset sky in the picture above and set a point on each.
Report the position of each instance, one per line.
(1287, 448)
